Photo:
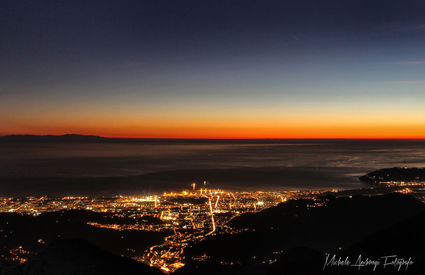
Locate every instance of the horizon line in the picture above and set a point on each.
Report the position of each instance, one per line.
(213, 138)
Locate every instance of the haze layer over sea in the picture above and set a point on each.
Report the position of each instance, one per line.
(109, 167)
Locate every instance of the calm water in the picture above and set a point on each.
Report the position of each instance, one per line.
(103, 168)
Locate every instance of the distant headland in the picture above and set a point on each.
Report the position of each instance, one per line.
(396, 174)
(50, 138)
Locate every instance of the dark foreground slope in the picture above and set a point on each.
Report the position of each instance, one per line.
(77, 256)
(34, 233)
(294, 237)
(403, 241)
(63, 243)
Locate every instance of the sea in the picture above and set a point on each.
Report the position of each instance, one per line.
(114, 167)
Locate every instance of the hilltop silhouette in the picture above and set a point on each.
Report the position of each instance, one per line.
(77, 256)
(296, 236)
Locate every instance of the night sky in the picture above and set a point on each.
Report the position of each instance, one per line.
(213, 69)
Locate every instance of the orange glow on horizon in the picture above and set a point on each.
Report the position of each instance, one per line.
(211, 121)
(235, 134)
(322, 126)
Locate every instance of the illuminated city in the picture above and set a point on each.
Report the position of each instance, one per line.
(189, 216)
(186, 217)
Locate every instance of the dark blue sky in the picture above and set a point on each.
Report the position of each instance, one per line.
(158, 66)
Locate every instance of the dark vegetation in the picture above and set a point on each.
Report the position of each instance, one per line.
(297, 236)
(36, 233)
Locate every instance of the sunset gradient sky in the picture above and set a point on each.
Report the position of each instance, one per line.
(213, 69)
